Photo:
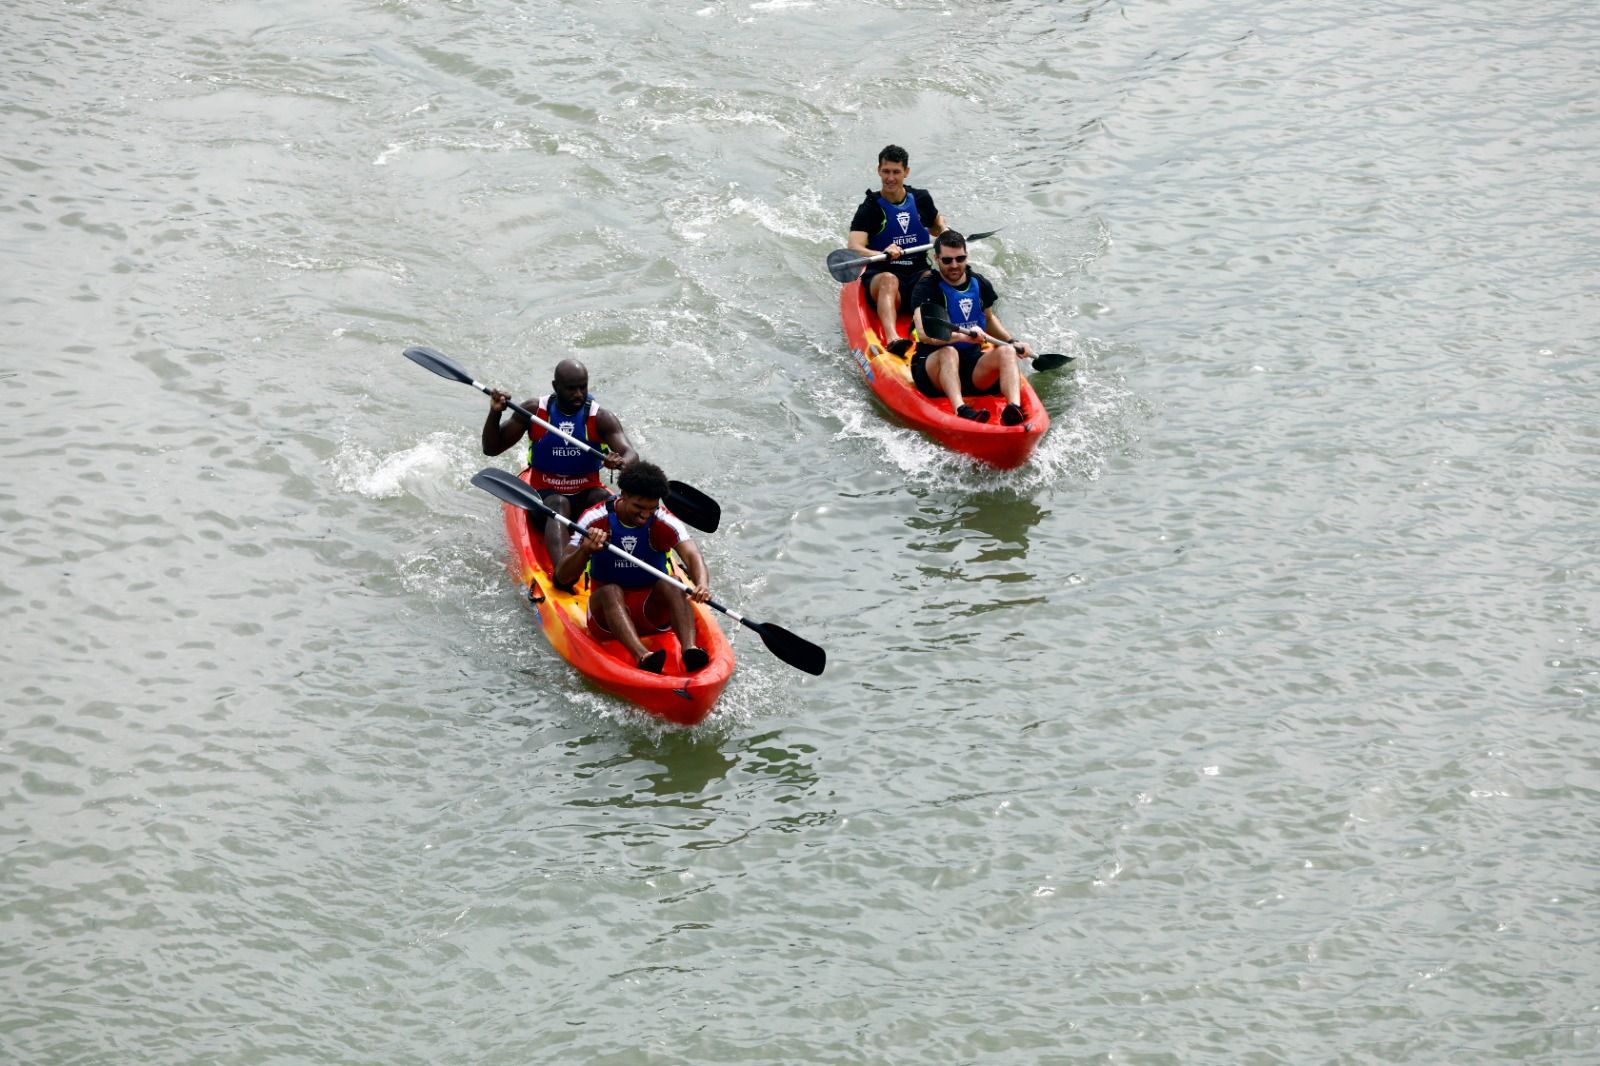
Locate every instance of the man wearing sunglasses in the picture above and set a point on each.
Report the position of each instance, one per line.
(894, 218)
(956, 365)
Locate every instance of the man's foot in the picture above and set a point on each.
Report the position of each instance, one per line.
(653, 662)
(694, 659)
(972, 413)
(1011, 416)
(898, 346)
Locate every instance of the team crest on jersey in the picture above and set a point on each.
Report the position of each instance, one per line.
(966, 308)
(629, 543)
(567, 426)
(904, 218)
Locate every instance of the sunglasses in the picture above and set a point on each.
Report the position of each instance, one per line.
(952, 259)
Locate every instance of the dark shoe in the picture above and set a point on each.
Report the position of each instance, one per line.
(898, 347)
(694, 659)
(972, 414)
(1011, 416)
(654, 662)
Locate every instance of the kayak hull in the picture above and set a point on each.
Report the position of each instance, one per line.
(674, 696)
(889, 377)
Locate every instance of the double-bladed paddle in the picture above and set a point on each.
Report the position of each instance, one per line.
(845, 264)
(685, 501)
(936, 320)
(796, 651)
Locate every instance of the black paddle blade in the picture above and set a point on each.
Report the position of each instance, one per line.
(796, 651)
(936, 321)
(845, 265)
(1050, 361)
(694, 506)
(511, 489)
(439, 363)
(981, 236)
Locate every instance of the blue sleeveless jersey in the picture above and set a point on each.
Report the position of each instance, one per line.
(606, 567)
(557, 463)
(965, 306)
(902, 225)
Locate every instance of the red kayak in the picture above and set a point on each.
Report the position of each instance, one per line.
(677, 697)
(889, 377)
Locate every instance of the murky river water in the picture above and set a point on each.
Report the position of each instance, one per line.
(1254, 722)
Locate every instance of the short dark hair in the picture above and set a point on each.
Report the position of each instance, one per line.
(640, 478)
(950, 239)
(894, 154)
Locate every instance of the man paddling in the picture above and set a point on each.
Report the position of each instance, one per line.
(625, 599)
(896, 217)
(565, 475)
(954, 365)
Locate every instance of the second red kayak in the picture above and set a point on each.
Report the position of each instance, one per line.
(889, 377)
(675, 696)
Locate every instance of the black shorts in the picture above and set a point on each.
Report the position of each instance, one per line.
(907, 279)
(968, 354)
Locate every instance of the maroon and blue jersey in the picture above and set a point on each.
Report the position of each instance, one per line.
(558, 464)
(648, 543)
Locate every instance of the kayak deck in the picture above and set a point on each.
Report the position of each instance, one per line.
(673, 695)
(889, 377)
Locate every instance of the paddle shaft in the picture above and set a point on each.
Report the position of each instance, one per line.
(640, 563)
(1040, 361)
(446, 367)
(884, 255)
(690, 504)
(880, 256)
(531, 417)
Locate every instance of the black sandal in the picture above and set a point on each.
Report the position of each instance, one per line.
(694, 660)
(654, 662)
(1012, 415)
(972, 414)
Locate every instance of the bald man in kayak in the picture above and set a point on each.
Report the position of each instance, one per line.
(897, 216)
(625, 599)
(566, 476)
